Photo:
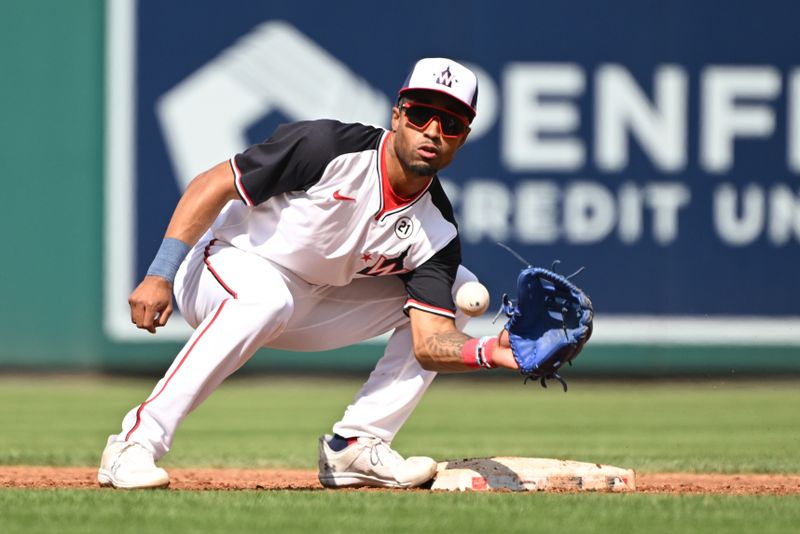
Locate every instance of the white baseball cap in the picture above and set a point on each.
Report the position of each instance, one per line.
(444, 76)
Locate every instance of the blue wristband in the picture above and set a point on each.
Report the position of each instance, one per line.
(168, 258)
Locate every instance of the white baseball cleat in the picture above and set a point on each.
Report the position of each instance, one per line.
(129, 465)
(371, 462)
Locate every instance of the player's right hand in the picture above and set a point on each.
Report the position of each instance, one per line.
(151, 303)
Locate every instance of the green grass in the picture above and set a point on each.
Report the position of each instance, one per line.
(83, 511)
(701, 427)
(711, 426)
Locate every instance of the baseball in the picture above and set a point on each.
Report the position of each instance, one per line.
(472, 298)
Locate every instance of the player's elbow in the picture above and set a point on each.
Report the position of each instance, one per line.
(428, 365)
(424, 356)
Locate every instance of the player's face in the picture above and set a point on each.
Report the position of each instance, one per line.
(428, 132)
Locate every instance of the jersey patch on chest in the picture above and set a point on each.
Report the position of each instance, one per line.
(404, 228)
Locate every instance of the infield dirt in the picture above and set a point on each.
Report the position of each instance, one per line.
(38, 477)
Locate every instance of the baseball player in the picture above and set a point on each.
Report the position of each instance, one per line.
(324, 235)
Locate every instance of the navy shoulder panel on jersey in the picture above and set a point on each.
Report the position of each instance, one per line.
(432, 282)
(295, 157)
(440, 200)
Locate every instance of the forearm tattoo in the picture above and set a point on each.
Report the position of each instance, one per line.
(444, 350)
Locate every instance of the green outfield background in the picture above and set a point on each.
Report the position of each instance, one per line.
(52, 143)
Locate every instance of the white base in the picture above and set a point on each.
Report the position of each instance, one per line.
(531, 474)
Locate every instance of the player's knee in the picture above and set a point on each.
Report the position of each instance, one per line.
(269, 316)
(463, 276)
(277, 310)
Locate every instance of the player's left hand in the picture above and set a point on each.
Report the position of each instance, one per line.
(151, 303)
(549, 324)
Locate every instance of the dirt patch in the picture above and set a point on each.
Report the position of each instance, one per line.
(740, 484)
(299, 479)
(180, 478)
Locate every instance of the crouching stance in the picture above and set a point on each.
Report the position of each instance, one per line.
(324, 235)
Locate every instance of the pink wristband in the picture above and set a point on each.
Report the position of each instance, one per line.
(477, 353)
(468, 351)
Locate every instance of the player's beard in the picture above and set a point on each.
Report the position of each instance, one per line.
(419, 168)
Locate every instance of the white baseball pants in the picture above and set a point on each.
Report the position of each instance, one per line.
(239, 302)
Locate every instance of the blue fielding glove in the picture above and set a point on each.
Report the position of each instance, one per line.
(549, 325)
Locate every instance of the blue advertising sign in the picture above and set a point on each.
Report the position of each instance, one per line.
(656, 143)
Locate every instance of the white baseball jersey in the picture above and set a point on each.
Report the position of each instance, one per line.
(317, 201)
